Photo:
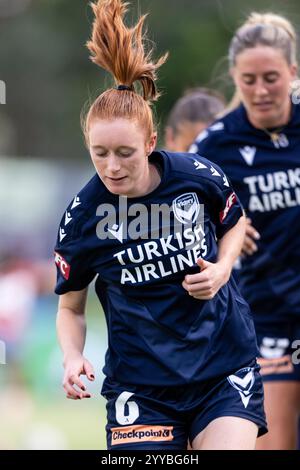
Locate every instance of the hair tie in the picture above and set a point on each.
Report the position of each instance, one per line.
(124, 87)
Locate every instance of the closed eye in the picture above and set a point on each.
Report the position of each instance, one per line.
(249, 79)
(271, 77)
(125, 151)
(123, 154)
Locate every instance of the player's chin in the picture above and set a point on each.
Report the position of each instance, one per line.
(118, 187)
(265, 116)
(117, 191)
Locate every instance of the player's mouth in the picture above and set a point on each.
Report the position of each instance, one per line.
(116, 180)
(263, 105)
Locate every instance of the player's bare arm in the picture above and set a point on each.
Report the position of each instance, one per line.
(71, 330)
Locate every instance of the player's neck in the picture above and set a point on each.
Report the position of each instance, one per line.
(148, 181)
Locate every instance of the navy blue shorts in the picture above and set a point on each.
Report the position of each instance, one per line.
(165, 418)
(279, 347)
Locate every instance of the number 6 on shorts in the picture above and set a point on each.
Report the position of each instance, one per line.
(133, 408)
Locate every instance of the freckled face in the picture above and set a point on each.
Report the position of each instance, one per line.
(119, 150)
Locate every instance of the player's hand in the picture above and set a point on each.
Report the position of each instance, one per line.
(205, 285)
(76, 365)
(252, 235)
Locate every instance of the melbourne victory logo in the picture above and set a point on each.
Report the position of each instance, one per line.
(186, 208)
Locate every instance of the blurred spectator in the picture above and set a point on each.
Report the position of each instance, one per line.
(21, 281)
(190, 115)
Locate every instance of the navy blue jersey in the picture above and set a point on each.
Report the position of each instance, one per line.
(157, 333)
(266, 177)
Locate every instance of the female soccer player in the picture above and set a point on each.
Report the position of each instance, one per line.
(258, 145)
(190, 115)
(181, 359)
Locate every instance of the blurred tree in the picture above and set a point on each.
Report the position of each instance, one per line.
(49, 77)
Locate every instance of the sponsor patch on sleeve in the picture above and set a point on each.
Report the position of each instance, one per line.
(229, 203)
(62, 264)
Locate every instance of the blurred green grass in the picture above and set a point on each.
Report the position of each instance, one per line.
(57, 425)
(34, 412)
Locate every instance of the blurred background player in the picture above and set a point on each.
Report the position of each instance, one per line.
(31, 279)
(258, 145)
(190, 115)
(181, 359)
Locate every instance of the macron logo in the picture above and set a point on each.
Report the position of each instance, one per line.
(214, 171)
(117, 232)
(68, 218)
(248, 154)
(198, 165)
(76, 202)
(225, 181)
(62, 234)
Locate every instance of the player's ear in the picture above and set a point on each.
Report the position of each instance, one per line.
(294, 71)
(150, 146)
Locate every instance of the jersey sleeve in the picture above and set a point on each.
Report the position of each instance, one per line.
(224, 205)
(200, 144)
(72, 261)
(209, 142)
